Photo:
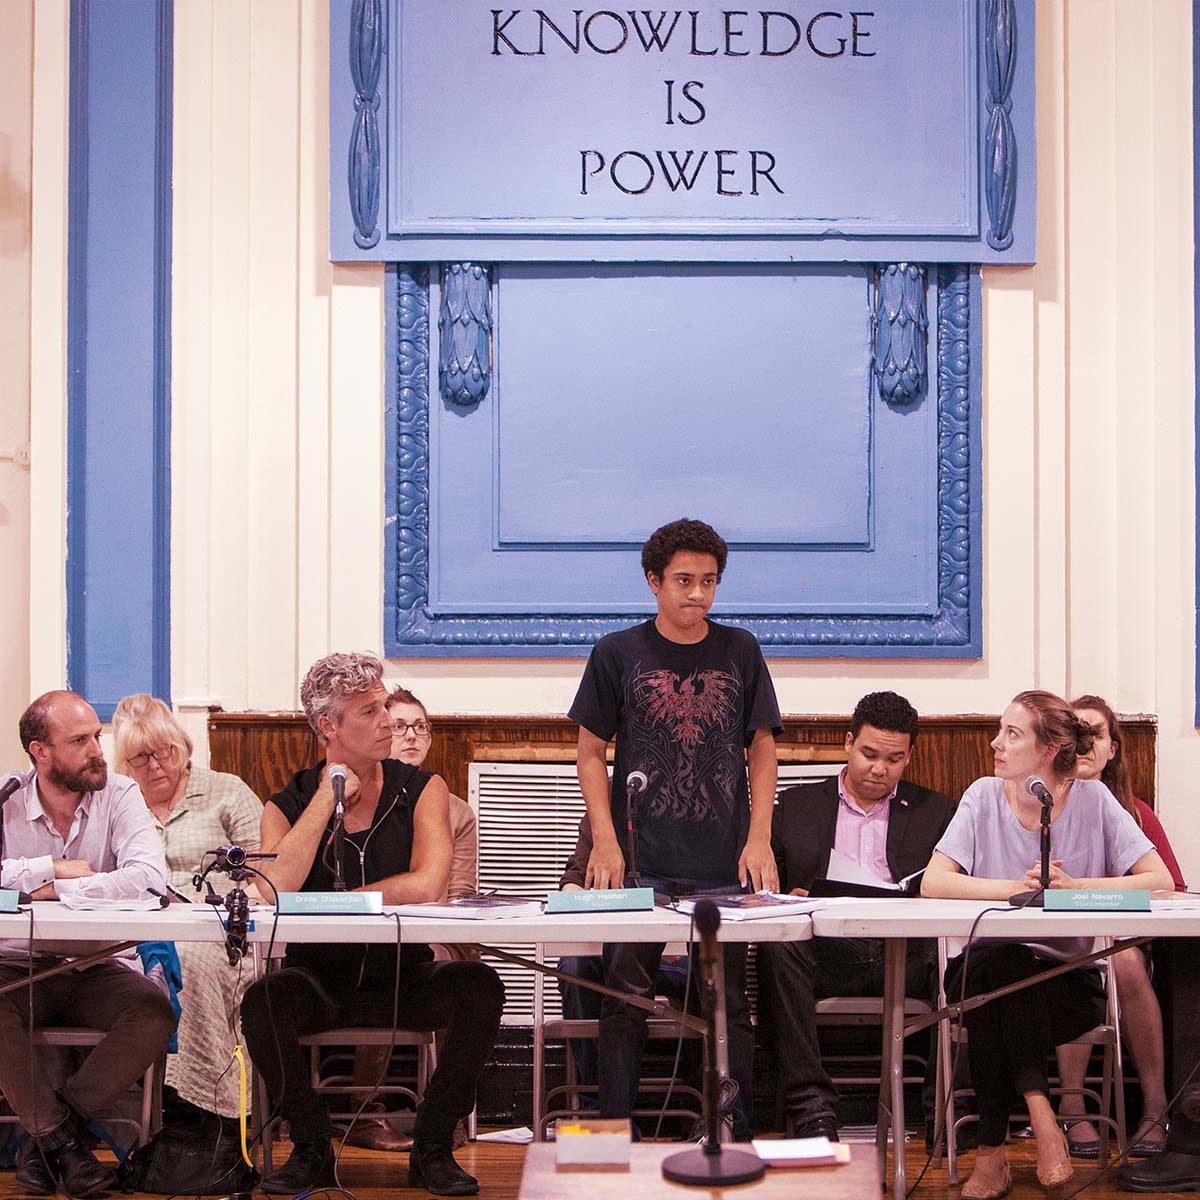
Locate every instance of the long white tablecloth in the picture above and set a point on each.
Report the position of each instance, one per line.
(893, 920)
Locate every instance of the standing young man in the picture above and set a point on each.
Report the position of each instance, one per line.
(692, 707)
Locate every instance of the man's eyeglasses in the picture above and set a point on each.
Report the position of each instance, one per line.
(163, 755)
(420, 728)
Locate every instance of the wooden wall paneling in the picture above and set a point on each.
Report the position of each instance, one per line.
(265, 749)
(951, 751)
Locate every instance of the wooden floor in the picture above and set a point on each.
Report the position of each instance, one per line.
(376, 1176)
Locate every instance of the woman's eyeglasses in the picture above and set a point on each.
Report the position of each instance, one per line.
(163, 755)
(420, 728)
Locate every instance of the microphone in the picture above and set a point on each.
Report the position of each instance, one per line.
(1036, 786)
(337, 781)
(711, 1165)
(635, 784)
(12, 783)
(708, 921)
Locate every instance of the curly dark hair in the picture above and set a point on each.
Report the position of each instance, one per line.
(885, 710)
(686, 535)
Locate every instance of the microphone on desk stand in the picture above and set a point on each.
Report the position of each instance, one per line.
(635, 784)
(337, 781)
(231, 860)
(1036, 786)
(710, 1165)
(12, 783)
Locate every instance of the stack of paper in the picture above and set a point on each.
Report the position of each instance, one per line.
(751, 906)
(475, 908)
(591, 1142)
(801, 1152)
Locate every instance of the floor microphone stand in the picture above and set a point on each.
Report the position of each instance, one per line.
(710, 1165)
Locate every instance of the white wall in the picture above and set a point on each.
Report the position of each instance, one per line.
(16, 139)
(278, 400)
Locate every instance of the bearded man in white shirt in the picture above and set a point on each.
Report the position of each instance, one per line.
(72, 829)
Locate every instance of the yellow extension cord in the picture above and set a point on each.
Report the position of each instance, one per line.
(242, 1106)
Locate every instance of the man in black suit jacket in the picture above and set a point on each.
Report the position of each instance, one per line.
(888, 828)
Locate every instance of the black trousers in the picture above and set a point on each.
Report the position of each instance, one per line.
(463, 998)
(793, 976)
(1182, 1010)
(1010, 1039)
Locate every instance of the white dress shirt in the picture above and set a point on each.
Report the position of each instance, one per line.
(112, 831)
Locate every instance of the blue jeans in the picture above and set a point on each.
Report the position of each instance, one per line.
(633, 967)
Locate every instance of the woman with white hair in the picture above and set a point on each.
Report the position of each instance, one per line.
(195, 811)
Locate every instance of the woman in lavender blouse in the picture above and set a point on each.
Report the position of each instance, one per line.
(990, 851)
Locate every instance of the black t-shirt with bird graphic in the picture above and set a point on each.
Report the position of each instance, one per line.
(684, 715)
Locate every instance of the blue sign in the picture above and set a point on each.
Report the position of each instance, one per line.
(793, 131)
(1083, 900)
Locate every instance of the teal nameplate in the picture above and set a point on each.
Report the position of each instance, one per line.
(9, 900)
(1082, 900)
(595, 900)
(329, 903)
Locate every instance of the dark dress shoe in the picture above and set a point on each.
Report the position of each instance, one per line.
(35, 1176)
(82, 1174)
(309, 1166)
(374, 1133)
(818, 1127)
(431, 1166)
(1170, 1171)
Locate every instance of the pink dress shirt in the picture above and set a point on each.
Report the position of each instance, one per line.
(862, 836)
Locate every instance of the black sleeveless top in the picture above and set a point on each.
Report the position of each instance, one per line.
(367, 857)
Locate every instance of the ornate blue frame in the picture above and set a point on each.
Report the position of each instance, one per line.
(954, 630)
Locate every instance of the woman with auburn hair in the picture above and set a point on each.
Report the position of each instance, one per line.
(990, 851)
(1141, 1016)
(195, 810)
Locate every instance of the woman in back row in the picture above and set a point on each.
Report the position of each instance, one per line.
(1141, 1016)
(195, 811)
(990, 851)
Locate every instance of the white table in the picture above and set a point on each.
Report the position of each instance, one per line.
(53, 921)
(70, 931)
(542, 1179)
(898, 920)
